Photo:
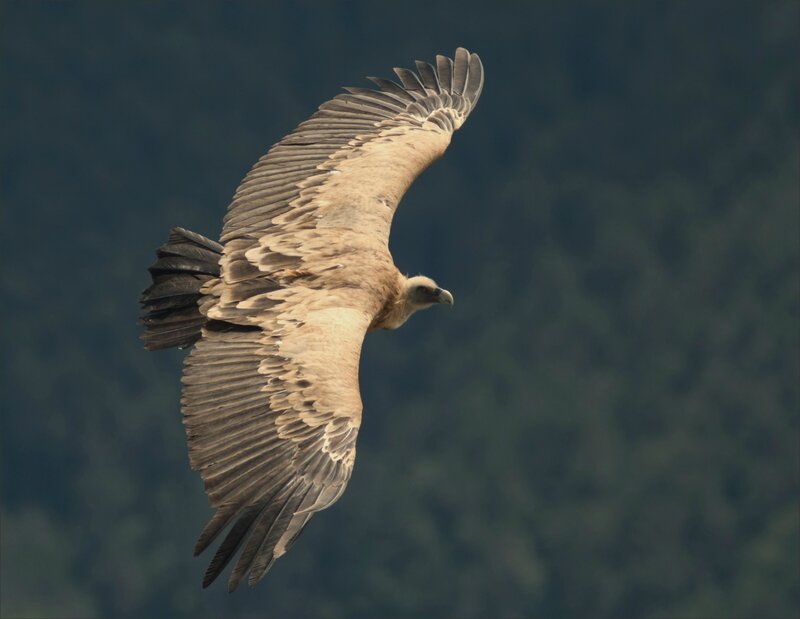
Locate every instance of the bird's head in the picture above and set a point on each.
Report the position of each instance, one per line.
(421, 292)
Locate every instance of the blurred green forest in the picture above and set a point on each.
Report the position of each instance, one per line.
(606, 425)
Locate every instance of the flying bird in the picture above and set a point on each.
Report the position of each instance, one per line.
(276, 312)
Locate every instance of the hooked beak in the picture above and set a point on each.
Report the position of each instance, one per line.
(445, 297)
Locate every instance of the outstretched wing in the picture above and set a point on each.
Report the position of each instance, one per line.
(326, 193)
(271, 418)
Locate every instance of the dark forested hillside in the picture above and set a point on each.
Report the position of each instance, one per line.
(606, 424)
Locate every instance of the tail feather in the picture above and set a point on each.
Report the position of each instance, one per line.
(170, 313)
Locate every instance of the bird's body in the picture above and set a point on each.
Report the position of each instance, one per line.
(277, 313)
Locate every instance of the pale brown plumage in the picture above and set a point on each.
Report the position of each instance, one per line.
(271, 402)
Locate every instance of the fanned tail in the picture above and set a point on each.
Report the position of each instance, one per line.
(170, 313)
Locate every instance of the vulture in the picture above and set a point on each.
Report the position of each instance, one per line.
(276, 312)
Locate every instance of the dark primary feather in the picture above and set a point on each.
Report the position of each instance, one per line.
(460, 71)
(444, 66)
(409, 80)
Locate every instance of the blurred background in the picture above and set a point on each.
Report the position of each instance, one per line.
(606, 425)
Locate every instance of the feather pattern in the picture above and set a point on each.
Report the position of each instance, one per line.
(271, 403)
(350, 123)
(291, 409)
